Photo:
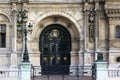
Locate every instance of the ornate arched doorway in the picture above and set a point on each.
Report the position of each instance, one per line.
(55, 47)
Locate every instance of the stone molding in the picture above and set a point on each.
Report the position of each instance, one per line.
(113, 14)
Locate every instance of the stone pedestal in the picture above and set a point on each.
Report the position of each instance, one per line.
(14, 61)
(25, 71)
(101, 70)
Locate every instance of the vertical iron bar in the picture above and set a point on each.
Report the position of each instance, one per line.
(48, 76)
(63, 76)
(33, 72)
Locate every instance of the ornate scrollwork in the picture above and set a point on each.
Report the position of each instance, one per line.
(91, 26)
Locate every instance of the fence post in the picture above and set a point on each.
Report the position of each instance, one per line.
(101, 68)
(25, 71)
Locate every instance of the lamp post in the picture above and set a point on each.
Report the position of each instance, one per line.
(24, 29)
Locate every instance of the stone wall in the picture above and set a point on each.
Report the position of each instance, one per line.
(74, 17)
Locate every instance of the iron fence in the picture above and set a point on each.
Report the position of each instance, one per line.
(62, 72)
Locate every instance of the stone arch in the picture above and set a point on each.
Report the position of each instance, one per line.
(77, 32)
(5, 19)
(72, 30)
(6, 16)
(45, 24)
(64, 14)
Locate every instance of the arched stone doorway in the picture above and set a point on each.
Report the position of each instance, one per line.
(55, 47)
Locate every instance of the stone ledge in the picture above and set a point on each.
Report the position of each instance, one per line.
(113, 0)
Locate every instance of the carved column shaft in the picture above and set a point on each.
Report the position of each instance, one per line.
(14, 32)
(85, 25)
(14, 37)
(96, 25)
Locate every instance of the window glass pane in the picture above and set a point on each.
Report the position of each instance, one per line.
(2, 35)
(3, 28)
(117, 31)
(3, 41)
(0, 40)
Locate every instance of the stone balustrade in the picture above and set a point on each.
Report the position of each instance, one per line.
(113, 74)
(9, 74)
(55, 0)
(44, 1)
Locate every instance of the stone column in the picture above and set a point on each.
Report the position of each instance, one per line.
(81, 58)
(14, 37)
(74, 62)
(81, 62)
(96, 25)
(85, 27)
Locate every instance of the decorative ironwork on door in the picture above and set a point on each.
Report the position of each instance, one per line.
(55, 47)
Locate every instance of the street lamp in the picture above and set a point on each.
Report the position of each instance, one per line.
(23, 29)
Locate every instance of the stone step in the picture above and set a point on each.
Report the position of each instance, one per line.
(58, 77)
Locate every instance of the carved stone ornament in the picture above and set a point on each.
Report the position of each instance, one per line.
(54, 33)
(91, 25)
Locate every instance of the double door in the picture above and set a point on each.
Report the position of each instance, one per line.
(55, 46)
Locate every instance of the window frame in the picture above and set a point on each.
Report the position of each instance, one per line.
(3, 35)
(117, 31)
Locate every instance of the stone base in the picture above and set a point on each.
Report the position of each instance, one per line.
(25, 71)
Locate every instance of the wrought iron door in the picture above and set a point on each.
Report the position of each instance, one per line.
(55, 47)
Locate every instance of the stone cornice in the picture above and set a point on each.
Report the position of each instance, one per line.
(112, 5)
(113, 0)
(113, 11)
(113, 14)
(55, 1)
(54, 7)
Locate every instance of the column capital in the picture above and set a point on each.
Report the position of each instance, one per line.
(14, 9)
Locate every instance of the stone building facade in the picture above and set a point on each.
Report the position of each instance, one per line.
(93, 26)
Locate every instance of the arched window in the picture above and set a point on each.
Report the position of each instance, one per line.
(117, 31)
(3, 30)
(2, 35)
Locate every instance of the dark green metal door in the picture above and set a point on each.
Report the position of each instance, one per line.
(55, 47)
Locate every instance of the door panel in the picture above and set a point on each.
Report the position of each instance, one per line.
(55, 46)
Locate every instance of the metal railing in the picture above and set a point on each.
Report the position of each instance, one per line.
(72, 73)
